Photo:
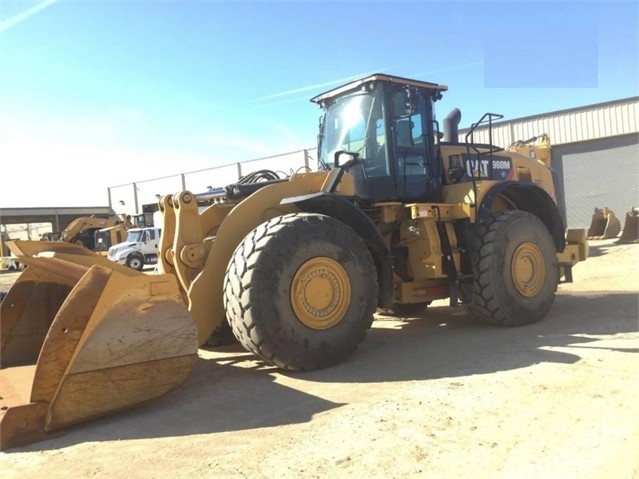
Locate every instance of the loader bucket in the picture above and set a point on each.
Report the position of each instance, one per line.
(80, 338)
(597, 224)
(604, 225)
(630, 232)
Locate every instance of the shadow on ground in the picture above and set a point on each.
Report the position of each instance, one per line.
(231, 391)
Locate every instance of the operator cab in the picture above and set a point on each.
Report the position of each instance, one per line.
(385, 125)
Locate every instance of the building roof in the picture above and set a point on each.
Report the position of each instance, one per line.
(589, 122)
(59, 217)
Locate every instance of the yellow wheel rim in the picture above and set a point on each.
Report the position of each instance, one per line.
(320, 293)
(528, 269)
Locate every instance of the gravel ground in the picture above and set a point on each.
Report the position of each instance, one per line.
(434, 397)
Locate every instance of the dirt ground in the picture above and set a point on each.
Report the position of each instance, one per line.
(439, 397)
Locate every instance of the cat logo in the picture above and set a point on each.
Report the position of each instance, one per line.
(477, 168)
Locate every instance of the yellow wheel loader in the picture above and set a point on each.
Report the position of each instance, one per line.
(94, 233)
(398, 214)
(82, 230)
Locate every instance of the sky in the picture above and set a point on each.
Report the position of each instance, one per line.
(95, 94)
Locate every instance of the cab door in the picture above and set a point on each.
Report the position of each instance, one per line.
(411, 130)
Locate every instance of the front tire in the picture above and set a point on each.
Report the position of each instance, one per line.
(300, 291)
(135, 262)
(516, 270)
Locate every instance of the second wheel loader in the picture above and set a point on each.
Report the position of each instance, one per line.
(398, 214)
(82, 230)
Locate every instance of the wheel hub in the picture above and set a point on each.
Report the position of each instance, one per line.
(320, 293)
(528, 269)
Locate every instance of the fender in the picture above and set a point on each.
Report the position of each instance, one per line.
(343, 209)
(528, 197)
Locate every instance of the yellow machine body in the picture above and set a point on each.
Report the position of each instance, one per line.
(294, 267)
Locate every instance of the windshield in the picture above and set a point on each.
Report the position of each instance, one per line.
(353, 123)
(135, 236)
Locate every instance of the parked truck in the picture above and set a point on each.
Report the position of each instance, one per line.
(111, 236)
(138, 250)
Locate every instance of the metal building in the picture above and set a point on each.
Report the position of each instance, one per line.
(595, 152)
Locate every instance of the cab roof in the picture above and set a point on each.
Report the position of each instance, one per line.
(354, 85)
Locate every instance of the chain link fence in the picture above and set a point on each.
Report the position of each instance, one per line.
(130, 198)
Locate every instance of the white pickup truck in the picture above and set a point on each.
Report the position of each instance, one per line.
(139, 249)
(9, 262)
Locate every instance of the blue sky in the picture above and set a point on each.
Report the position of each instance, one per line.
(100, 93)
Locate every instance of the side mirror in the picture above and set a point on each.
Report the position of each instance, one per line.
(349, 158)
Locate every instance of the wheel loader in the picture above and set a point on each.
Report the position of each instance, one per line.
(82, 230)
(92, 232)
(397, 215)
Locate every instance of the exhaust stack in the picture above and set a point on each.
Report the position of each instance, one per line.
(451, 122)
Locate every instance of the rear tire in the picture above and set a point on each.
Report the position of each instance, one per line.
(516, 270)
(300, 291)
